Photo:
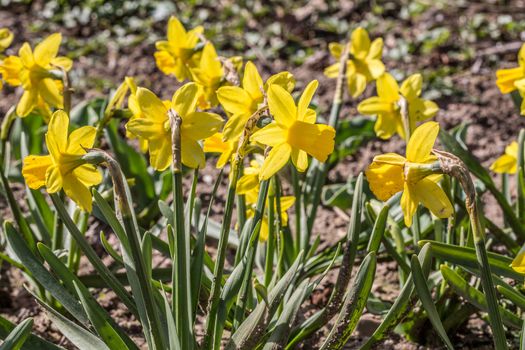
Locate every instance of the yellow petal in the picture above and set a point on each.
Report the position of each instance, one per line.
(335, 49)
(160, 155)
(411, 87)
(310, 116)
(387, 88)
(192, 154)
(176, 32)
(57, 132)
(521, 56)
(234, 126)
(433, 197)
(505, 78)
(376, 49)
(316, 139)
(387, 124)
(53, 179)
(360, 43)
(408, 205)
(235, 100)
(184, 100)
(384, 179)
(376, 68)
(276, 159)
(264, 231)
(512, 149)
(49, 91)
(252, 81)
(200, 125)
(247, 182)
(88, 174)
(375, 105)
(63, 62)
(6, 38)
(26, 55)
(518, 264)
(304, 100)
(356, 84)
(390, 158)
(146, 128)
(419, 109)
(47, 49)
(332, 71)
(300, 159)
(286, 203)
(81, 138)
(271, 135)
(282, 105)
(78, 192)
(27, 102)
(10, 68)
(151, 105)
(505, 164)
(34, 170)
(422, 141)
(285, 80)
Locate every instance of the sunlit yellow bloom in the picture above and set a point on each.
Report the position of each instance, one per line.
(249, 181)
(387, 105)
(285, 203)
(10, 69)
(505, 78)
(243, 102)
(208, 75)
(518, 264)
(215, 144)
(36, 77)
(391, 173)
(175, 55)
(364, 64)
(155, 127)
(6, 38)
(64, 168)
(294, 132)
(507, 163)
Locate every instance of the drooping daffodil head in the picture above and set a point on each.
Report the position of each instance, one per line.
(506, 78)
(175, 55)
(6, 38)
(36, 76)
(388, 103)
(293, 133)
(242, 102)
(508, 162)
(391, 173)
(64, 167)
(364, 64)
(155, 127)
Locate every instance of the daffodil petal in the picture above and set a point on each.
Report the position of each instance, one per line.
(151, 105)
(518, 264)
(50, 93)
(422, 141)
(276, 159)
(26, 55)
(176, 31)
(200, 125)
(252, 82)
(505, 164)
(300, 159)
(247, 183)
(387, 88)
(47, 49)
(27, 102)
(360, 43)
(184, 100)
(62, 62)
(192, 154)
(385, 179)
(282, 105)
(505, 78)
(235, 100)
(57, 132)
(390, 158)
(376, 68)
(271, 135)
(306, 98)
(160, 155)
(375, 105)
(332, 71)
(78, 192)
(376, 49)
(356, 84)
(408, 205)
(88, 174)
(34, 170)
(411, 87)
(53, 179)
(335, 49)
(433, 197)
(81, 138)
(316, 139)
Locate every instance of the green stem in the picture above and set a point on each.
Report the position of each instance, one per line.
(219, 264)
(270, 242)
(297, 207)
(245, 287)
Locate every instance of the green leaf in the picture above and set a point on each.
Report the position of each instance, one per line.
(33, 342)
(475, 297)
(423, 292)
(378, 230)
(43, 276)
(355, 301)
(18, 336)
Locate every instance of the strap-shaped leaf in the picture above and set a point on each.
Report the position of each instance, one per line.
(18, 336)
(33, 342)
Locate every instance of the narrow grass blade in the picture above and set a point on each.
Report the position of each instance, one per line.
(33, 342)
(174, 342)
(378, 230)
(109, 249)
(420, 283)
(517, 298)
(44, 277)
(475, 297)
(354, 304)
(18, 336)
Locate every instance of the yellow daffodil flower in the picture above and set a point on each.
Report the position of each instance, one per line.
(154, 126)
(286, 203)
(364, 64)
(242, 102)
(386, 105)
(35, 74)
(64, 168)
(6, 38)
(249, 181)
(391, 173)
(506, 78)
(208, 75)
(216, 144)
(507, 163)
(176, 54)
(518, 264)
(294, 132)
